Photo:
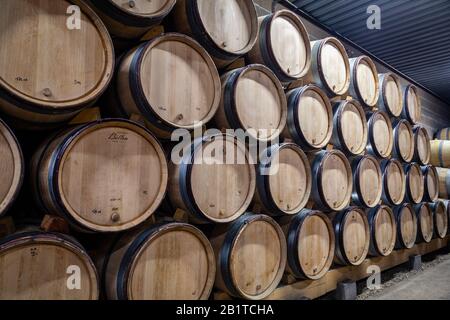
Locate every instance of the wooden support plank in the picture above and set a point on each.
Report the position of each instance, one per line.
(314, 289)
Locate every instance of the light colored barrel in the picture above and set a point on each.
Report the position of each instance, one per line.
(415, 183)
(131, 19)
(350, 130)
(45, 266)
(171, 261)
(208, 186)
(383, 231)
(364, 81)
(251, 256)
(380, 136)
(171, 81)
(253, 100)
(367, 181)
(283, 45)
(404, 145)
(330, 66)
(425, 222)
(310, 244)
(431, 179)
(440, 218)
(228, 29)
(352, 236)
(390, 99)
(394, 182)
(422, 149)
(412, 107)
(13, 168)
(444, 182)
(440, 153)
(283, 180)
(443, 134)
(332, 180)
(310, 118)
(406, 220)
(103, 176)
(62, 71)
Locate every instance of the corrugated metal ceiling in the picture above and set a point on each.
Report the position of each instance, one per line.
(414, 36)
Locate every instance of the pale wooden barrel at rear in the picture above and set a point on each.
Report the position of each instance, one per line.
(412, 107)
(406, 226)
(367, 181)
(390, 99)
(442, 134)
(364, 84)
(415, 183)
(440, 219)
(444, 182)
(422, 149)
(425, 222)
(440, 153)
(383, 231)
(381, 135)
(404, 145)
(394, 182)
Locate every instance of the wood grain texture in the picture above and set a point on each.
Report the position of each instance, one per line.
(440, 218)
(381, 136)
(422, 150)
(390, 99)
(425, 222)
(412, 108)
(364, 81)
(394, 182)
(368, 181)
(406, 226)
(383, 231)
(414, 183)
(404, 146)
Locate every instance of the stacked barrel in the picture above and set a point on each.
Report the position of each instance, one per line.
(342, 168)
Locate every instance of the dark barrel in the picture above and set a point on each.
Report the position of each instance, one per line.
(440, 218)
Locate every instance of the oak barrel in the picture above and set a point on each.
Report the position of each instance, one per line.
(228, 29)
(169, 261)
(415, 183)
(330, 66)
(394, 182)
(350, 130)
(422, 149)
(444, 183)
(60, 71)
(45, 266)
(13, 168)
(440, 153)
(381, 135)
(131, 19)
(332, 180)
(364, 81)
(425, 222)
(207, 185)
(310, 244)
(404, 144)
(352, 236)
(406, 220)
(443, 134)
(104, 176)
(171, 81)
(431, 179)
(251, 256)
(390, 99)
(367, 181)
(440, 218)
(412, 108)
(310, 118)
(383, 229)
(253, 100)
(283, 45)
(283, 180)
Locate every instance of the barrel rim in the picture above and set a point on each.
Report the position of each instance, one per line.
(374, 245)
(406, 113)
(383, 78)
(371, 146)
(354, 63)
(398, 212)
(397, 153)
(387, 197)
(417, 131)
(426, 171)
(409, 195)
(434, 207)
(357, 194)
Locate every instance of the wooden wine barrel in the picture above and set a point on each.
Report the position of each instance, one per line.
(228, 29)
(425, 222)
(404, 145)
(364, 81)
(412, 108)
(104, 176)
(442, 134)
(390, 99)
(208, 188)
(440, 153)
(406, 220)
(283, 180)
(13, 167)
(394, 182)
(251, 256)
(367, 181)
(444, 182)
(381, 136)
(310, 244)
(171, 81)
(45, 266)
(62, 71)
(310, 118)
(383, 229)
(350, 130)
(352, 236)
(440, 218)
(131, 19)
(415, 183)
(171, 261)
(283, 45)
(253, 100)
(431, 179)
(332, 180)
(330, 66)
(422, 149)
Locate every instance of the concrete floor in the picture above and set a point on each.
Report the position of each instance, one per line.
(431, 284)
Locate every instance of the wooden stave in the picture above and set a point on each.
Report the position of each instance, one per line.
(435, 207)
(420, 236)
(409, 196)
(417, 131)
(427, 196)
(354, 89)
(396, 150)
(357, 196)
(398, 211)
(386, 197)
(406, 114)
(382, 101)
(372, 215)
(442, 134)
(439, 151)
(371, 146)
